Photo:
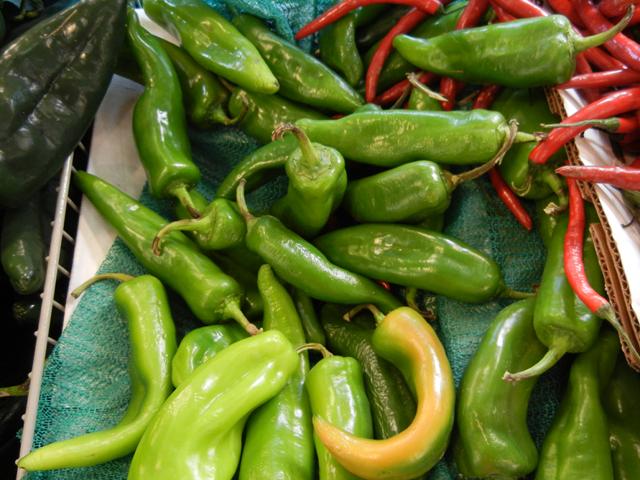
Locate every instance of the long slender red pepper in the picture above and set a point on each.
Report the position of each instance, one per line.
(406, 23)
(583, 67)
(470, 17)
(602, 60)
(618, 176)
(635, 18)
(521, 8)
(399, 89)
(610, 105)
(611, 78)
(564, 7)
(615, 8)
(487, 95)
(621, 47)
(501, 14)
(346, 6)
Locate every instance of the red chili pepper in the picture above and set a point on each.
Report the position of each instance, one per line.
(635, 18)
(611, 78)
(384, 284)
(486, 96)
(584, 68)
(613, 104)
(406, 23)
(602, 60)
(565, 8)
(501, 14)
(615, 8)
(621, 47)
(343, 8)
(397, 90)
(621, 177)
(635, 163)
(471, 15)
(520, 8)
(510, 199)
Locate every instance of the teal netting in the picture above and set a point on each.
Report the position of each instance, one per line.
(86, 387)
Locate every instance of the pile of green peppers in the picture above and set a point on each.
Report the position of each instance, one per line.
(277, 383)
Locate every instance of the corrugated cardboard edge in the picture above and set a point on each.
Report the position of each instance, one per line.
(616, 283)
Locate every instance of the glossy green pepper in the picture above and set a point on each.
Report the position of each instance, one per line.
(337, 395)
(143, 302)
(413, 257)
(546, 218)
(159, 120)
(530, 52)
(200, 345)
(577, 444)
(279, 436)
(211, 295)
(493, 440)
(263, 113)
(388, 138)
(392, 404)
(313, 332)
(218, 397)
(620, 404)
(213, 42)
(419, 100)
(302, 77)
(204, 95)
(317, 182)
(302, 265)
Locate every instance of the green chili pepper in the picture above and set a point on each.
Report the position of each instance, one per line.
(213, 42)
(414, 257)
(265, 112)
(302, 265)
(577, 445)
(374, 31)
(337, 395)
(159, 122)
(562, 322)
(245, 277)
(531, 52)
(392, 404)
(530, 109)
(339, 51)
(621, 406)
(317, 182)
(388, 138)
(210, 294)
(302, 77)
(313, 331)
(217, 397)
(419, 100)
(493, 440)
(143, 302)
(200, 345)
(22, 247)
(547, 218)
(204, 95)
(279, 437)
(434, 223)
(26, 311)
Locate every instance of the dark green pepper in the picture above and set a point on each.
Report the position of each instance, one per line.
(374, 31)
(26, 311)
(414, 257)
(159, 121)
(213, 42)
(577, 444)
(247, 279)
(547, 218)
(392, 404)
(302, 77)
(200, 345)
(313, 331)
(302, 265)
(279, 436)
(22, 247)
(143, 302)
(530, 52)
(50, 99)
(211, 295)
(493, 440)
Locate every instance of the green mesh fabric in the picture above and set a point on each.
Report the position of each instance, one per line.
(86, 387)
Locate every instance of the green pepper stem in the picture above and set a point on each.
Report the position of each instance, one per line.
(218, 115)
(183, 196)
(378, 316)
(607, 313)
(232, 310)
(309, 154)
(414, 80)
(16, 390)
(555, 183)
(314, 346)
(610, 124)
(188, 224)
(515, 294)
(584, 43)
(411, 297)
(120, 277)
(525, 137)
(242, 201)
(545, 363)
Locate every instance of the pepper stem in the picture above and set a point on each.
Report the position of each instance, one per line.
(183, 196)
(16, 390)
(609, 124)
(309, 154)
(218, 115)
(378, 316)
(525, 137)
(584, 43)
(414, 80)
(120, 277)
(242, 202)
(556, 185)
(607, 313)
(188, 224)
(545, 363)
(232, 310)
(314, 346)
(411, 297)
(515, 294)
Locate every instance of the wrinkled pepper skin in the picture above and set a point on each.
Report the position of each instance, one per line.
(302, 77)
(261, 114)
(493, 440)
(217, 397)
(577, 444)
(213, 42)
(45, 108)
(143, 302)
(279, 435)
(200, 345)
(413, 257)
(389, 138)
(620, 404)
(337, 394)
(392, 404)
